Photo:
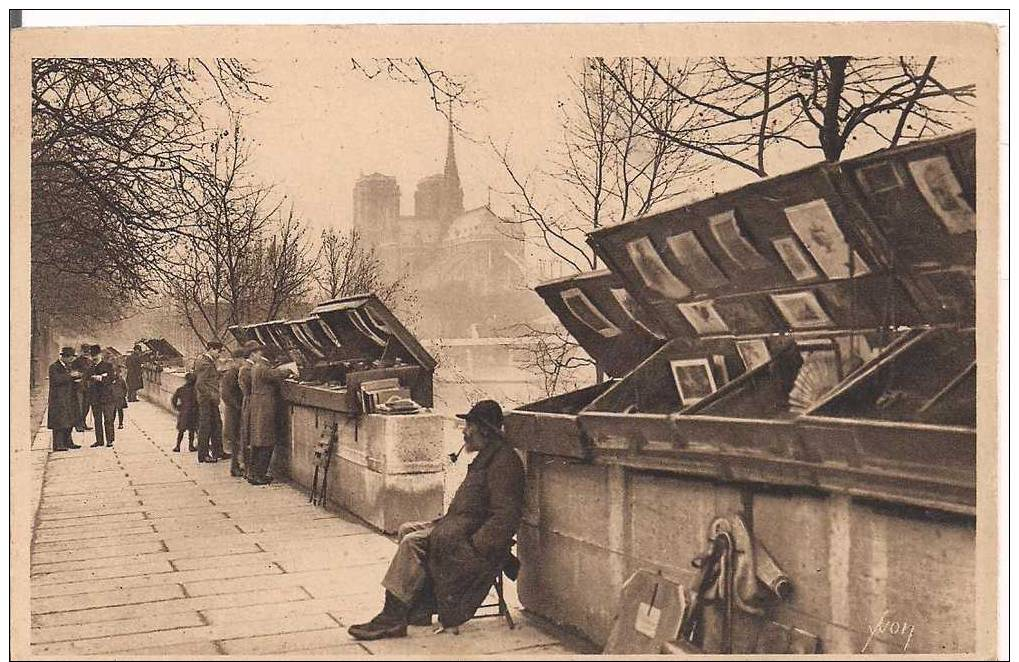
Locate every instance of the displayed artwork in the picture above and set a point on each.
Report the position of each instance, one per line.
(814, 224)
(742, 314)
(633, 310)
(653, 271)
(694, 380)
(729, 236)
(801, 310)
(754, 352)
(796, 261)
(329, 333)
(585, 311)
(697, 264)
(879, 177)
(703, 317)
(941, 190)
(721, 369)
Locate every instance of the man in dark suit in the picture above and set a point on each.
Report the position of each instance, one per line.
(210, 424)
(83, 364)
(100, 394)
(134, 374)
(62, 410)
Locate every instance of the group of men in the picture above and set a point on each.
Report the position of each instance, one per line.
(85, 382)
(442, 567)
(247, 383)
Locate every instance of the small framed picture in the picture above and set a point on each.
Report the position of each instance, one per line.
(794, 258)
(879, 177)
(730, 237)
(697, 264)
(585, 311)
(635, 312)
(801, 310)
(652, 269)
(703, 317)
(754, 352)
(694, 380)
(814, 224)
(941, 190)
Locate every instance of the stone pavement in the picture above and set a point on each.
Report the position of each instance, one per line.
(137, 550)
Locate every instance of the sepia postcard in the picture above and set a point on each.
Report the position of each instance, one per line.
(515, 340)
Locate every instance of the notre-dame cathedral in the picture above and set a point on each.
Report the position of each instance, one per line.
(467, 265)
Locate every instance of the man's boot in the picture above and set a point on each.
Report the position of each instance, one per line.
(391, 622)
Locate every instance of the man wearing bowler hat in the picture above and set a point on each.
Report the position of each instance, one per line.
(63, 410)
(447, 566)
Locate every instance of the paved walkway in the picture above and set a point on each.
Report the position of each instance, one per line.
(138, 549)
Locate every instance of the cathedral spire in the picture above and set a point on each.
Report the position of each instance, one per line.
(451, 173)
(452, 201)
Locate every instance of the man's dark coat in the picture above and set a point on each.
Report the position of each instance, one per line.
(468, 546)
(133, 363)
(62, 407)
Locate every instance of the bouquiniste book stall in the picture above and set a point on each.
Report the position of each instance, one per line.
(814, 330)
(342, 344)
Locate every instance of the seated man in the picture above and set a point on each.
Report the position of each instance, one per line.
(448, 565)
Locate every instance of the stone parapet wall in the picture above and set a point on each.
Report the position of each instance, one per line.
(854, 564)
(387, 470)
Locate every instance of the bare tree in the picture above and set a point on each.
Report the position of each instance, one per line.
(116, 175)
(445, 90)
(736, 109)
(610, 168)
(346, 266)
(288, 265)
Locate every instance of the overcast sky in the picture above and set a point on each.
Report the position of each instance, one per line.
(326, 124)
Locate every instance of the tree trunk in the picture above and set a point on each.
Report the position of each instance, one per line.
(831, 139)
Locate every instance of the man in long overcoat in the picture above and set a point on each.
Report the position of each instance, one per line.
(133, 363)
(453, 561)
(232, 397)
(83, 364)
(62, 410)
(210, 423)
(244, 430)
(100, 395)
(264, 413)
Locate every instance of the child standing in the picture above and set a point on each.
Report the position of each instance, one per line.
(119, 389)
(186, 403)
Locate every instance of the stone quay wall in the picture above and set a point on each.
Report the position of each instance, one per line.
(856, 566)
(386, 470)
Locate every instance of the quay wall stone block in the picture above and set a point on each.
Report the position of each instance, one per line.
(862, 571)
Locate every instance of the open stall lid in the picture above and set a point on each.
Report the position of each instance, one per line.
(826, 247)
(611, 326)
(163, 348)
(929, 378)
(365, 328)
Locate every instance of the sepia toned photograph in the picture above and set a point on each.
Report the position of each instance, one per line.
(316, 351)
(694, 379)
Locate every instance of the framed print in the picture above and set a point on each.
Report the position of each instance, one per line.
(801, 310)
(730, 237)
(635, 312)
(703, 317)
(754, 352)
(814, 224)
(941, 190)
(696, 263)
(879, 177)
(795, 259)
(722, 370)
(652, 269)
(585, 311)
(694, 380)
